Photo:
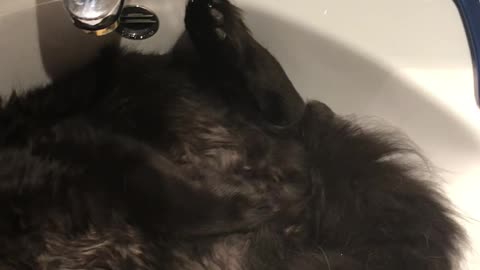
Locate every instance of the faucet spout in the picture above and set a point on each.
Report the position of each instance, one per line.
(95, 16)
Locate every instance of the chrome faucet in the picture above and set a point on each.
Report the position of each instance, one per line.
(95, 16)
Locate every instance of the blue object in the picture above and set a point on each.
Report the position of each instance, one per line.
(470, 12)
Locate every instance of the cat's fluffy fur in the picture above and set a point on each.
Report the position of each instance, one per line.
(207, 158)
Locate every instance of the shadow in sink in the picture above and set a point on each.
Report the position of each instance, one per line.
(326, 70)
(319, 67)
(60, 42)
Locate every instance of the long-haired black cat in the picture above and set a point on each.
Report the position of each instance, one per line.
(207, 158)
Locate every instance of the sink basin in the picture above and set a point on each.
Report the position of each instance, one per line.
(405, 64)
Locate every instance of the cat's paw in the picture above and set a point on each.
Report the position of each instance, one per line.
(205, 20)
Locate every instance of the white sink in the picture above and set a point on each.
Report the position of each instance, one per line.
(406, 63)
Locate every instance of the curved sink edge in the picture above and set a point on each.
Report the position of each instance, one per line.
(469, 11)
(368, 57)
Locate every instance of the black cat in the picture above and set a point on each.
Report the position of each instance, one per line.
(207, 158)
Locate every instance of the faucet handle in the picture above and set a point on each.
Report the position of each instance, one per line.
(94, 15)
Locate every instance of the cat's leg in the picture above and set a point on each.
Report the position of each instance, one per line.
(274, 248)
(320, 259)
(227, 49)
(93, 173)
(369, 204)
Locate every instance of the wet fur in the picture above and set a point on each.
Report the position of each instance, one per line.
(207, 158)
